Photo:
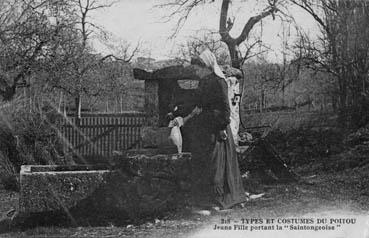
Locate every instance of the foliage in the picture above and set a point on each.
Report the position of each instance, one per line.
(359, 137)
(46, 45)
(305, 146)
(29, 136)
(328, 150)
(25, 35)
(270, 86)
(341, 50)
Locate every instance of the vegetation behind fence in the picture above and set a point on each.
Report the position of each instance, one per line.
(287, 120)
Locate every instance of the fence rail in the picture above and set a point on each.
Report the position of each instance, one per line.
(101, 134)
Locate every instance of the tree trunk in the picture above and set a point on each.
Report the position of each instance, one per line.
(342, 102)
(225, 26)
(234, 52)
(262, 100)
(60, 105)
(77, 102)
(283, 94)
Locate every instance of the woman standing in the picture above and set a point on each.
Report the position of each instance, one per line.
(216, 176)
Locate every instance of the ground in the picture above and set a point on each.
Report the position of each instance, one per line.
(336, 193)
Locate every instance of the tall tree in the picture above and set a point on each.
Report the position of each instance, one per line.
(49, 43)
(342, 51)
(26, 33)
(183, 8)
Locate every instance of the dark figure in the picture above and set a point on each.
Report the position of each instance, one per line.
(216, 176)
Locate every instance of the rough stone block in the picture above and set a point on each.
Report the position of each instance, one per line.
(44, 188)
(140, 184)
(158, 137)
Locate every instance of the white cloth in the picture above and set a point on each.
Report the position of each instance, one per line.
(179, 120)
(175, 133)
(210, 61)
(234, 88)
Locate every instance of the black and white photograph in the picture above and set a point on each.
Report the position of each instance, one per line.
(184, 118)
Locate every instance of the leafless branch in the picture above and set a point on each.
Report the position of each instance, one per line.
(248, 54)
(181, 9)
(308, 7)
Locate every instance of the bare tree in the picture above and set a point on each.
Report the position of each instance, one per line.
(212, 40)
(183, 8)
(25, 35)
(119, 49)
(341, 50)
(209, 38)
(84, 61)
(47, 44)
(226, 24)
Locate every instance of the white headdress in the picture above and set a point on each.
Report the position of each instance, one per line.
(210, 61)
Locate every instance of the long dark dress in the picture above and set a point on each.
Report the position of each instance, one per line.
(215, 172)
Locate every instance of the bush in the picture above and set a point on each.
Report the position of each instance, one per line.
(303, 146)
(28, 136)
(323, 150)
(360, 136)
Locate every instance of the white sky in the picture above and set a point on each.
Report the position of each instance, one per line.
(138, 20)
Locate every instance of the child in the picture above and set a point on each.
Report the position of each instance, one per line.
(176, 123)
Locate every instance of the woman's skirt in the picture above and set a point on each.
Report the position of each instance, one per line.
(216, 179)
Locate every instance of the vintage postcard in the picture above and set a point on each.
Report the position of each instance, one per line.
(184, 118)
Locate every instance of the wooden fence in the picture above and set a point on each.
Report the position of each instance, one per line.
(101, 134)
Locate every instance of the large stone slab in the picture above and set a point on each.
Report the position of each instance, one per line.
(44, 188)
(137, 184)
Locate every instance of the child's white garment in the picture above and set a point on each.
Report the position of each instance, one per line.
(234, 88)
(175, 133)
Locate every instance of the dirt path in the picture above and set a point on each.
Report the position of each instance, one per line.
(341, 194)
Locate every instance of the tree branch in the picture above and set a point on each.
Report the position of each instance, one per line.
(305, 5)
(251, 22)
(181, 8)
(223, 29)
(249, 49)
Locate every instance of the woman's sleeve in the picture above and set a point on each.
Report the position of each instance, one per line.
(223, 107)
(197, 94)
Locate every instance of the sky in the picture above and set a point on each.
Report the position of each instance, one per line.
(140, 21)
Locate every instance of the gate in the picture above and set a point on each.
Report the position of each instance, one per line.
(101, 134)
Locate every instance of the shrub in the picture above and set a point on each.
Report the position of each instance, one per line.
(304, 145)
(28, 136)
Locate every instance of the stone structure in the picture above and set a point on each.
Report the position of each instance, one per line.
(162, 90)
(151, 104)
(142, 183)
(178, 86)
(135, 183)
